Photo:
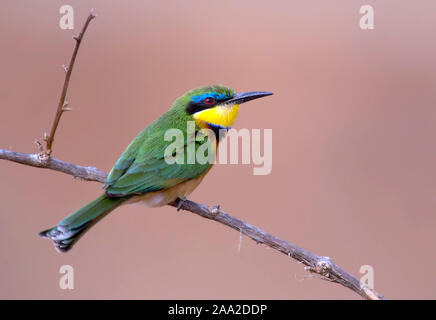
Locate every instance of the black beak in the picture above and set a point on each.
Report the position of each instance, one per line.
(247, 96)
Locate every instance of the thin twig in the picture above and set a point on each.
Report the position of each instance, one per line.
(316, 264)
(63, 104)
(34, 160)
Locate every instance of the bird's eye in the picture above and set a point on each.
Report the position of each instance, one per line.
(209, 100)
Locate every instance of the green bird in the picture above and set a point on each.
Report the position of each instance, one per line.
(144, 173)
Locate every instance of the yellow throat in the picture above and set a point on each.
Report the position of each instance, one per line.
(221, 115)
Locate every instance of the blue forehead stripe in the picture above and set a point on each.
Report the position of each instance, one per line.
(215, 95)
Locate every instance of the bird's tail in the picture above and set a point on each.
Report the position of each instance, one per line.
(70, 229)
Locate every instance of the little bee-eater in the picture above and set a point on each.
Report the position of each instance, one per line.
(142, 173)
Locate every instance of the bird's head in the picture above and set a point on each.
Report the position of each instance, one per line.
(215, 105)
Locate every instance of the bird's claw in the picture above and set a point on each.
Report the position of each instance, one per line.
(180, 204)
(215, 209)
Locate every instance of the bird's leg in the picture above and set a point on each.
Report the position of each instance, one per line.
(215, 209)
(180, 204)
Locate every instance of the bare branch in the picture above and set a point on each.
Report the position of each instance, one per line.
(316, 264)
(62, 106)
(38, 160)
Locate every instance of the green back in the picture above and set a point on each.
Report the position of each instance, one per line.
(142, 167)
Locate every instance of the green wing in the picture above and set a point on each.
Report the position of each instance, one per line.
(142, 167)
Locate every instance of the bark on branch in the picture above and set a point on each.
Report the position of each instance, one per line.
(63, 104)
(320, 265)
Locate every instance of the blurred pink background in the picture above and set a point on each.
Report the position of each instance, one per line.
(354, 153)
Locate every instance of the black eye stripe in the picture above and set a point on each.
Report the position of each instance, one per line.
(194, 107)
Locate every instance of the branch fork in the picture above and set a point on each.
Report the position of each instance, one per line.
(63, 104)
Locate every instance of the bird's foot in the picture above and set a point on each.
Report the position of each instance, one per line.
(180, 204)
(215, 209)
